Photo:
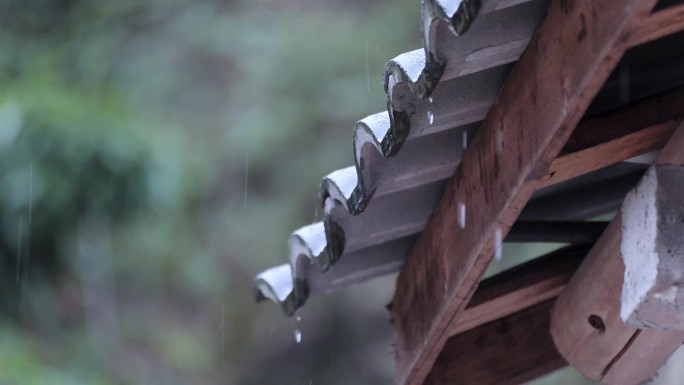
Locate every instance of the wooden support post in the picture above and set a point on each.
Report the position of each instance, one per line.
(508, 351)
(503, 335)
(652, 250)
(586, 324)
(545, 96)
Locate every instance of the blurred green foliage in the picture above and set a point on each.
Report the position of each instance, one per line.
(154, 156)
(69, 156)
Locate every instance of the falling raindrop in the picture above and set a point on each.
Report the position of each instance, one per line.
(21, 225)
(497, 243)
(246, 179)
(31, 195)
(430, 117)
(461, 215)
(464, 136)
(223, 330)
(297, 332)
(367, 68)
(430, 99)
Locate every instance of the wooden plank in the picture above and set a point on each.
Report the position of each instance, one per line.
(600, 141)
(586, 324)
(507, 351)
(546, 94)
(520, 287)
(660, 24)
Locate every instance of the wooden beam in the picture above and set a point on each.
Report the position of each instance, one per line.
(660, 24)
(574, 233)
(585, 322)
(600, 141)
(507, 308)
(520, 287)
(508, 351)
(652, 250)
(543, 99)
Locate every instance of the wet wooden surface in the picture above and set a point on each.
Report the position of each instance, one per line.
(545, 96)
(586, 324)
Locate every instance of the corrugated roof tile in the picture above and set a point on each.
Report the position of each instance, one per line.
(437, 97)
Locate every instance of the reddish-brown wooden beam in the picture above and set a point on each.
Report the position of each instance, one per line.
(600, 141)
(543, 99)
(520, 287)
(586, 324)
(660, 24)
(508, 351)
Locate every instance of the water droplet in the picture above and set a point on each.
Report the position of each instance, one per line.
(430, 117)
(461, 215)
(21, 223)
(31, 195)
(297, 332)
(497, 244)
(246, 179)
(430, 99)
(367, 68)
(464, 136)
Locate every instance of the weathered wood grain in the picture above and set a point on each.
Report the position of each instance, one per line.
(586, 324)
(508, 351)
(600, 141)
(660, 24)
(648, 351)
(520, 287)
(546, 94)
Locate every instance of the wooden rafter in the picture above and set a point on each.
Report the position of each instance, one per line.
(502, 337)
(542, 279)
(600, 141)
(586, 323)
(662, 23)
(519, 288)
(508, 351)
(543, 99)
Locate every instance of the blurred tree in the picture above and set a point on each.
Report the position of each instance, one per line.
(177, 144)
(153, 157)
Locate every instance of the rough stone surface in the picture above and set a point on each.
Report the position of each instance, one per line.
(653, 250)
